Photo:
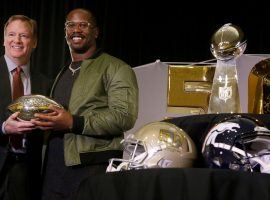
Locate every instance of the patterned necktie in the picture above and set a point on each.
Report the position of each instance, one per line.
(17, 83)
(16, 141)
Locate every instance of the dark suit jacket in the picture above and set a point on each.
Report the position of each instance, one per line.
(39, 85)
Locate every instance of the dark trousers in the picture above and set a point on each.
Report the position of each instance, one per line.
(64, 185)
(17, 180)
(60, 181)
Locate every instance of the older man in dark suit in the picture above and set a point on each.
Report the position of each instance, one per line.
(20, 141)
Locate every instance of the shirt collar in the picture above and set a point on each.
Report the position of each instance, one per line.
(11, 66)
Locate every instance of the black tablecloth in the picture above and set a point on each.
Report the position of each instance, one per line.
(172, 184)
(188, 184)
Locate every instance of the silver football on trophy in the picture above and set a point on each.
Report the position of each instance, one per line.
(228, 42)
(28, 105)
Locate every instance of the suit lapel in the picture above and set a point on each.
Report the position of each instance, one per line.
(5, 88)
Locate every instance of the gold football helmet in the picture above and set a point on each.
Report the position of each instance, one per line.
(156, 145)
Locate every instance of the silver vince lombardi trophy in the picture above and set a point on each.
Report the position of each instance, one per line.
(227, 44)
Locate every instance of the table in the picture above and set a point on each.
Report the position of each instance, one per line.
(176, 184)
(186, 183)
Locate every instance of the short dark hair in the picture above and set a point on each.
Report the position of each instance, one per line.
(91, 14)
(31, 22)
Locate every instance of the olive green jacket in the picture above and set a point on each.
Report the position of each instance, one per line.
(105, 93)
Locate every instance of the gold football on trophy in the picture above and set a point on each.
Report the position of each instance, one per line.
(28, 105)
(228, 42)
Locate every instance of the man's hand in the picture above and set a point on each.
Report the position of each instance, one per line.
(13, 125)
(59, 119)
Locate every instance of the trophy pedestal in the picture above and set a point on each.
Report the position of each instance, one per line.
(225, 95)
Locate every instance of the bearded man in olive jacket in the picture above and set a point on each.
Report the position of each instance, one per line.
(100, 94)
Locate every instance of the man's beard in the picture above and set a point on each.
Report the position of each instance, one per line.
(80, 50)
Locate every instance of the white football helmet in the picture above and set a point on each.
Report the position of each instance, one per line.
(156, 145)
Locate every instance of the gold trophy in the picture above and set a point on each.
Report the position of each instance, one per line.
(227, 44)
(259, 88)
(28, 105)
